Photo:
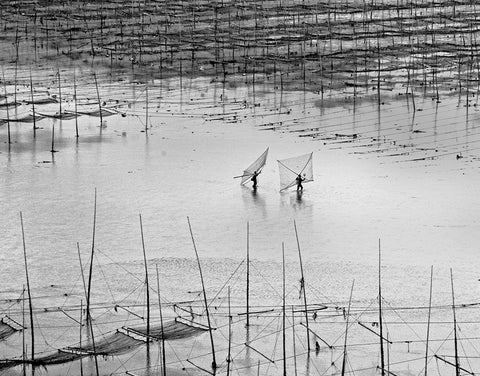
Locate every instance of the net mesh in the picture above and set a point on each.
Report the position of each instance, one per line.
(171, 330)
(290, 168)
(255, 166)
(6, 330)
(116, 343)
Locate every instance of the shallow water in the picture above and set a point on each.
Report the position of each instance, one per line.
(423, 211)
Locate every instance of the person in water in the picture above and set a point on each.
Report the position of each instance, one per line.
(299, 180)
(254, 179)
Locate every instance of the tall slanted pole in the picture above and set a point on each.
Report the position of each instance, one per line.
(380, 320)
(89, 316)
(164, 365)
(302, 287)
(346, 331)
(146, 282)
(428, 322)
(81, 302)
(283, 313)
(214, 363)
(32, 333)
(457, 363)
(248, 275)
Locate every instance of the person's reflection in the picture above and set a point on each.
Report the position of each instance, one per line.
(254, 200)
(299, 196)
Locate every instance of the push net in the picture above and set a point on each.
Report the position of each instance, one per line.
(255, 166)
(291, 168)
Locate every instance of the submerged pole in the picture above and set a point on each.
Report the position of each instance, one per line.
(32, 333)
(302, 286)
(214, 363)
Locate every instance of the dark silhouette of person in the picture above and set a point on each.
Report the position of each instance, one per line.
(299, 180)
(254, 179)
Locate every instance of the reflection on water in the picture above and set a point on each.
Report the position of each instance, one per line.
(182, 166)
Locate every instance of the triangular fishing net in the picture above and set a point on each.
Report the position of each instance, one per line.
(255, 166)
(292, 167)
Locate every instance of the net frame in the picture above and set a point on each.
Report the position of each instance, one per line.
(255, 166)
(290, 168)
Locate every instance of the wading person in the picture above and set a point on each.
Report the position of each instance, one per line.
(299, 180)
(254, 179)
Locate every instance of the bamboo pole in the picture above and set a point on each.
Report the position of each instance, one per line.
(33, 104)
(428, 321)
(98, 98)
(346, 331)
(380, 319)
(146, 281)
(30, 307)
(283, 313)
(75, 101)
(302, 285)
(457, 362)
(6, 107)
(229, 355)
(89, 316)
(248, 275)
(214, 363)
(164, 366)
